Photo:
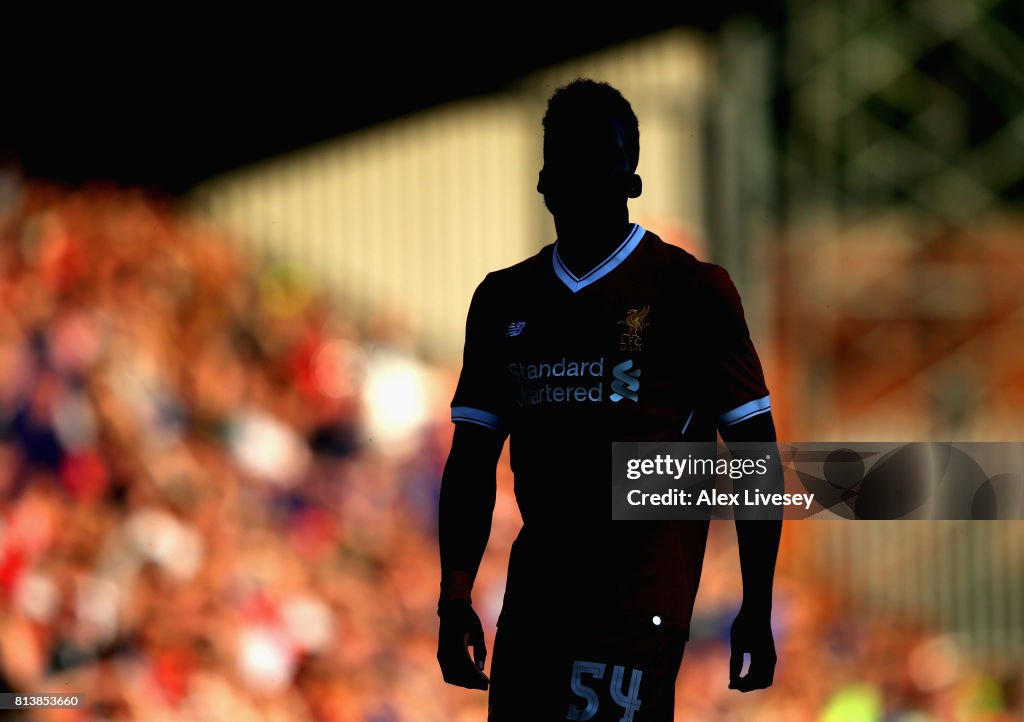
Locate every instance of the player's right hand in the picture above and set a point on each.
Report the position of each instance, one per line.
(460, 629)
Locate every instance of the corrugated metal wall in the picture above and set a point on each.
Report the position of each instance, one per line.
(402, 219)
(407, 217)
(965, 578)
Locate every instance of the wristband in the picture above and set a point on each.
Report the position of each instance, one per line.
(457, 584)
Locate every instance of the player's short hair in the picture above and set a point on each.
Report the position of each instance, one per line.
(574, 105)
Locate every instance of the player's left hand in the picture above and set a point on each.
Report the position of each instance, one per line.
(752, 632)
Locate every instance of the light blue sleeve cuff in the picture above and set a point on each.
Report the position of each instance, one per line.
(744, 412)
(476, 416)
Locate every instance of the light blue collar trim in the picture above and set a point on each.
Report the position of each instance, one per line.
(617, 256)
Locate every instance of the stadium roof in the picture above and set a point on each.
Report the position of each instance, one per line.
(169, 113)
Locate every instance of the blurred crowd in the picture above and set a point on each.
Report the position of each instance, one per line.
(218, 497)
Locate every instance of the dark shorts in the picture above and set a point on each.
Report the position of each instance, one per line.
(627, 676)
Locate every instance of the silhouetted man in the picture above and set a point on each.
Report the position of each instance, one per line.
(607, 334)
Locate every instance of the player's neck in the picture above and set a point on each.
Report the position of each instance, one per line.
(585, 242)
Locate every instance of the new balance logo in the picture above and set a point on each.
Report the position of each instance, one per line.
(515, 328)
(626, 383)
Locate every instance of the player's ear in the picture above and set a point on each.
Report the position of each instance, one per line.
(635, 186)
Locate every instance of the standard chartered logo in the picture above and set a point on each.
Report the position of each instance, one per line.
(626, 383)
(572, 380)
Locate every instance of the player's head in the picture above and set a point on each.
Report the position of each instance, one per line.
(591, 147)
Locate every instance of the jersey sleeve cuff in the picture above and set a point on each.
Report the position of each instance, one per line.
(745, 411)
(476, 416)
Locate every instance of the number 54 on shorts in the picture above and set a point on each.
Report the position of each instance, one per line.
(585, 674)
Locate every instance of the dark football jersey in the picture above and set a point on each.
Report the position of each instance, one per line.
(651, 344)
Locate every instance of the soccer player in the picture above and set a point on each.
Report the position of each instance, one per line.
(607, 334)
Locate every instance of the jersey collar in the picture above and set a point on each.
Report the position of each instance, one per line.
(575, 283)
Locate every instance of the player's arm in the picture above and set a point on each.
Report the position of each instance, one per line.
(742, 405)
(758, 542)
(468, 489)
